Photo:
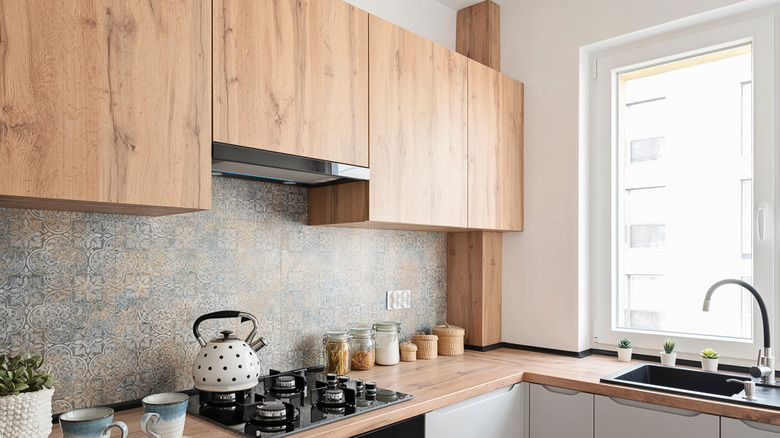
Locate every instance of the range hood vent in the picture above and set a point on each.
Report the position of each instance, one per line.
(243, 162)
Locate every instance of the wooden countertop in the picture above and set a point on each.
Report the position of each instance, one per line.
(446, 380)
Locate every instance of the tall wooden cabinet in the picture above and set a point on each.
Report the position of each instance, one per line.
(105, 106)
(495, 150)
(291, 76)
(417, 139)
(417, 129)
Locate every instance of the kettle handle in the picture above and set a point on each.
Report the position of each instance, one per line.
(225, 314)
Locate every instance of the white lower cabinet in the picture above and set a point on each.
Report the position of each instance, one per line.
(557, 412)
(616, 418)
(497, 414)
(732, 428)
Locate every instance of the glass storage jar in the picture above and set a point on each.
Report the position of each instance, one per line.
(336, 352)
(387, 347)
(362, 348)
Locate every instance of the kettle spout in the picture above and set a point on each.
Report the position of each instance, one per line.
(258, 344)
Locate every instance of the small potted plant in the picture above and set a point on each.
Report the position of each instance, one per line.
(709, 359)
(25, 397)
(624, 350)
(668, 356)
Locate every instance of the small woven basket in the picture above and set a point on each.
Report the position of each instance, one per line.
(450, 339)
(408, 352)
(427, 345)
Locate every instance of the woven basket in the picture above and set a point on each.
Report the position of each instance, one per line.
(26, 415)
(450, 339)
(408, 352)
(426, 346)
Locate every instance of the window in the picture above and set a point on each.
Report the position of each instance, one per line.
(678, 184)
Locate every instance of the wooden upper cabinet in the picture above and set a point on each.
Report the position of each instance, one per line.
(495, 166)
(104, 105)
(418, 129)
(291, 76)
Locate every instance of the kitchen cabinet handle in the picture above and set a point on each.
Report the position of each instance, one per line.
(652, 407)
(761, 220)
(558, 390)
(761, 426)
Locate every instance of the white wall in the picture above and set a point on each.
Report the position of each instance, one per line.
(427, 18)
(543, 304)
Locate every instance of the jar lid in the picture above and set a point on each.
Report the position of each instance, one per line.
(360, 332)
(387, 326)
(449, 330)
(408, 346)
(337, 335)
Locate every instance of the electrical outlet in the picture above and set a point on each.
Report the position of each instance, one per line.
(399, 299)
(394, 300)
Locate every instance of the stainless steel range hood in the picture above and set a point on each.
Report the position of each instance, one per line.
(243, 162)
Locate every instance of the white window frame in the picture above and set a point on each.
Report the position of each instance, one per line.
(597, 195)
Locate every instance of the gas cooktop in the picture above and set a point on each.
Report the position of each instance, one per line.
(284, 403)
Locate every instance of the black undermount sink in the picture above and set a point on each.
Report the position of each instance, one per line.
(694, 383)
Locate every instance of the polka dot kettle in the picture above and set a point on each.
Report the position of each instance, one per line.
(227, 363)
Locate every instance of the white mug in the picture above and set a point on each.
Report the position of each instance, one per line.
(165, 414)
(90, 423)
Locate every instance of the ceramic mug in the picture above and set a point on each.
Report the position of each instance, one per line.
(90, 423)
(165, 414)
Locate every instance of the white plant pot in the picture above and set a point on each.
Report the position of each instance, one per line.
(26, 415)
(668, 359)
(624, 354)
(709, 364)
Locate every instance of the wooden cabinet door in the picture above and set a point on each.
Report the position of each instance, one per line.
(618, 418)
(495, 169)
(417, 129)
(104, 105)
(558, 412)
(291, 76)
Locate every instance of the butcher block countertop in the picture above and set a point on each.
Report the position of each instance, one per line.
(449, 379)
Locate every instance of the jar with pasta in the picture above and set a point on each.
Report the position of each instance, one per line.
(362, 348)
(336, 352)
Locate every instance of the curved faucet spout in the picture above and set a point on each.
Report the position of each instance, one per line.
(752, 290)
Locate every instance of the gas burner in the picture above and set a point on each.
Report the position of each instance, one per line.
(270, 416)
(271, 412)
(225, 407)
(284, 384)
(333, 398)
(288, 387)
(222, 399)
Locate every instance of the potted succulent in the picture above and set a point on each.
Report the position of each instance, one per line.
(624, 350)
(668, 356)
(25, 397)
(709, 359)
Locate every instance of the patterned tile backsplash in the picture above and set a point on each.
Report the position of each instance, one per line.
(110, 300)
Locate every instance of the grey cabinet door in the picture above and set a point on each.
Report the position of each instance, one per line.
(557, 412)
(616, 418)
(732, 428)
